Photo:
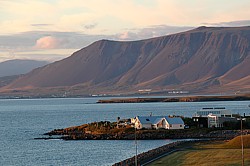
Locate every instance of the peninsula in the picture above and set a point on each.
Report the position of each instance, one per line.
(106, 130)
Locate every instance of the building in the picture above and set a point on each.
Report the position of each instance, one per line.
(157, 122)
(201, 122)
(174, 123)
(212, 117)
(217, 111)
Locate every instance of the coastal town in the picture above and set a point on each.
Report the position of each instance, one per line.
(125, 83)
(205, 123)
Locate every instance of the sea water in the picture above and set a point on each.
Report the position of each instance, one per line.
(22, 120)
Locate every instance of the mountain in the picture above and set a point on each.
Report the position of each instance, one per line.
(17, 67)
(208, 59)
(7, 79)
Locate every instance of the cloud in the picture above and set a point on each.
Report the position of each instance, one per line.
(90, 26)
(48, 42)
(33, 40)
(115, 16)
(41, 25)
(230, 24)
(150, 32)
(74, 40)
(127, 36)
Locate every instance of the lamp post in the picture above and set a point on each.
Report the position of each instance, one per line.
(135, 148)
(242, 143)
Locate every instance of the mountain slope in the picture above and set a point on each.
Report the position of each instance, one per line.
(17, 67)
(203, 57)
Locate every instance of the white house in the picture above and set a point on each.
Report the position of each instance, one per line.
(156, 122)
(174, 123)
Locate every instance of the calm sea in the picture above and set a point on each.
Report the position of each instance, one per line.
(23, 120)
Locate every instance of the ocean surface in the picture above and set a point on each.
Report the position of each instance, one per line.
(22, 120)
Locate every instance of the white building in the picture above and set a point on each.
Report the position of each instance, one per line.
(217, 111)
(156, 122)
(215, 116)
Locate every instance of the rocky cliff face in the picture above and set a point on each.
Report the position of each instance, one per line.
(204, 57)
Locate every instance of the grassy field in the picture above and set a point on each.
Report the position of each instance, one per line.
(213, 154)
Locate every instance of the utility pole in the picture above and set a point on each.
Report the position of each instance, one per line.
(242, 143)
(135, 148)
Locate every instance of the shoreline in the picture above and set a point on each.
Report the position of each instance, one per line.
(64, 134)
(178, 99)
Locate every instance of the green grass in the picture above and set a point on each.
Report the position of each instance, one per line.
(203, 154)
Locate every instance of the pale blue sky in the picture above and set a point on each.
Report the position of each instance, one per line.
(44, 26)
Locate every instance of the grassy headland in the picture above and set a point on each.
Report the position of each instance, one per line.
(215, 153)
(108, 130)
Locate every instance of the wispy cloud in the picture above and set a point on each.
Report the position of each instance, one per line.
(114, 15)
(37, 39)
(150, 32)
(41, 25)
(90, 26)
(230, 23)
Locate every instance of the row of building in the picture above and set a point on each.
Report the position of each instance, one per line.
(156, 122)
(206, 117)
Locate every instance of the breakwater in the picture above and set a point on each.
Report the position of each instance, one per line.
(147, 157)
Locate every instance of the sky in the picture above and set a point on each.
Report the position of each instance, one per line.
(53, 29)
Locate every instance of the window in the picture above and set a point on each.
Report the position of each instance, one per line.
(180, 125)
(170, 125)
(147, 119)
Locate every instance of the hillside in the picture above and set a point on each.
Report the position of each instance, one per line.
(7, 79)
(206, 59)
(18, 66)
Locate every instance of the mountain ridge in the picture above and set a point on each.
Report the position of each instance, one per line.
(19, 66)
(205, 58)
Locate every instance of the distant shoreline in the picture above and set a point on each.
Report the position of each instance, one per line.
(178, 99)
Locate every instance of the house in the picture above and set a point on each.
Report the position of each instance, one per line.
(174, 123)
(157, 122)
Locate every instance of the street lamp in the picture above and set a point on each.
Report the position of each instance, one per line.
(135, 148)
(241, 137)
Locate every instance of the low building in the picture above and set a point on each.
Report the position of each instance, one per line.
(157, 122)
(200, 122)
(213, 117)
(174, 123)
(213, 121)
(217, 111)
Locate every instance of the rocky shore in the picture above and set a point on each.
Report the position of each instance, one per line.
(123, 130)
(129, 134)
